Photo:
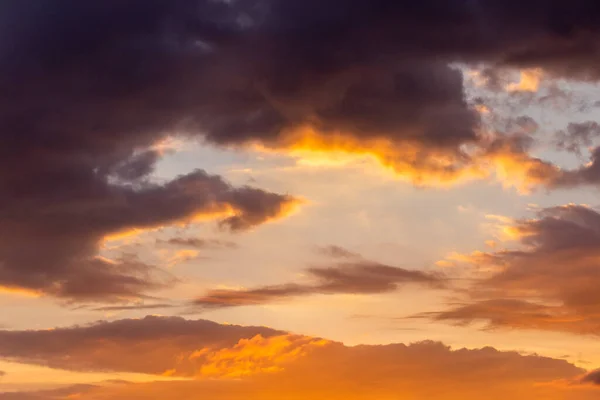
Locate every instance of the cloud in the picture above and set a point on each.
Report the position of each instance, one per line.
(359, 277)
(296, 367)
(254, 356)
(577, 135)
(81, 137)
(588, 174)
(529, 81)
(592, 377)
(150, 345)
(338, 252)
(361, 87)
(67, 229)
(547, 282)
(198, 243)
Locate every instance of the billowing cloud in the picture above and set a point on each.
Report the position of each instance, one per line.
(80, 136)
(296, 367)
(359, 277)
(548, 282)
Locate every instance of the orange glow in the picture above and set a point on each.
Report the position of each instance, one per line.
(254, 356)
(529, 81)
(521, 171)
(484, 262)
(182, 256)
(482, 109)
(18, 291)
(412, 162)
(407, 162)
(217, 211)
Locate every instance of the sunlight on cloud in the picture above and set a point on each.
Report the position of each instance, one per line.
(529, 81)
(18, 291)
(419, 164)
(254, 356)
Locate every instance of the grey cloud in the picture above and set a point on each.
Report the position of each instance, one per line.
(548, 283)
(360, 277)
(578, 135)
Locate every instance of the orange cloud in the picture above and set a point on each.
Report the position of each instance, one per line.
(254, 356)
(414, 161)
(18, 291)
(426, 370)
(410, 160)
(529, 81)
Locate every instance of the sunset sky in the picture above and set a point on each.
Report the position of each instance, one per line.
(299, 199)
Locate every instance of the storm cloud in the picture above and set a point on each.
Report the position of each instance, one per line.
(89, 90)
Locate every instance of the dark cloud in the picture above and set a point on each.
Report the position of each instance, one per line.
(592, 377)
(66, 225)
(360, 277)
(587, 174)
(90, 89)
(578, 136)
(95, 89)
(149, 345)
(550, 282)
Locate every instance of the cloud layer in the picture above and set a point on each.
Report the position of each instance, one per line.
(150, 345)
(281, 364)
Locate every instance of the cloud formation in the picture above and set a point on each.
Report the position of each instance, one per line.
(548, 282)
(89, 91)
(297, 367)
(67, 228)
(357, 277)
(150, 345)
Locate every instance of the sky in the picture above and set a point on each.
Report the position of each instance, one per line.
(269, 199)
